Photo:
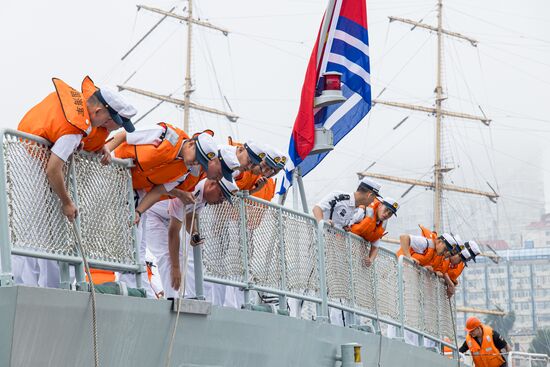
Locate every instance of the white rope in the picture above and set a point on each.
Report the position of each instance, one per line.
(181, 289)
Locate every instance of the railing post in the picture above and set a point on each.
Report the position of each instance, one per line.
(438, 331)
(282, 299)
(6, 276)
(352, 316)
(323, 316)
(244, 246)
(80, 274)
(401, 295)
(132, 201)
(376, 323)
(64, 275)
(422, 274)
(199, 279)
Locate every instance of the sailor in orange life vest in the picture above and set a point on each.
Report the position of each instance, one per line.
(155, 222)
(423, 249)
(207, 192)
(251, 155)
(69, 119)
(370, 224)
(338, 207)
(453, 266)
(273, 162)
(485, 344)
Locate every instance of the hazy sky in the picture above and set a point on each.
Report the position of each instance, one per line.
(260, 66)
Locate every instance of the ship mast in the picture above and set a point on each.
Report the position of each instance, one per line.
(437, 184)
(186, 103)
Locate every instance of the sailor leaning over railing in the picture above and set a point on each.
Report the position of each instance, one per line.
(70, 120)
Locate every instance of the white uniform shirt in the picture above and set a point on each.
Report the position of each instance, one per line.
(420, 244)
(175, 208)
(344, 208)
(66, 145)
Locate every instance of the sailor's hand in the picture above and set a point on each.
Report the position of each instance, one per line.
(429, 268)
(185, 197)
(330, 222)
(450, 291)
(196, 239)
(137, 218)
(367, 261)
(105, 155)
(260, 182)
(346, 228)
(415, 261)
(439, 274)
(70, 211)
(175, 275)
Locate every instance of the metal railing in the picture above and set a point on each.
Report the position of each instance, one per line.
(31, 221)
(521, 359)
(254, 245)
(259, 246)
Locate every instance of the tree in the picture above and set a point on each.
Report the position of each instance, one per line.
(541, 342)
(502, 324)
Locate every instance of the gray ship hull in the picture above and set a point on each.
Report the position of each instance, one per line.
(52, 327)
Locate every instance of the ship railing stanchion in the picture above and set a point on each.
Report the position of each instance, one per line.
(401, 296)
(135, 242)
(421, 274)
(80, 276)
(6, 276)
(352, 316)
(244, 246)
(375, 322)
(323, 315)
(282, 298)
(199, 278)
(438, 344)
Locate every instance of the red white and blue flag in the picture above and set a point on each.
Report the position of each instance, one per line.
(346, 50)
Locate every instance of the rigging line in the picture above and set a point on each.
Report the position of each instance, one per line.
(264, 16)
(535, 77)
(210, 61)
(485, 21)
(234, 127)
(474, 4)
(273, 46)
(515, 54)
(270, 38)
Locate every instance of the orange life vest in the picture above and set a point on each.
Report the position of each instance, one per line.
(100, 276)
(370, 228)
(155, 165)
(64, 112)
(426, 257)
(246, 180)
(486, 354)
(454, 271)
(267, 192)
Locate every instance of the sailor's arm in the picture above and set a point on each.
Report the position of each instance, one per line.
(54, 172)
(405, 243)
(174, 228)
(156, 193)
(116, 141)
(318, 213)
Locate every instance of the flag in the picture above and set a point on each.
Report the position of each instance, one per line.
(345, 50)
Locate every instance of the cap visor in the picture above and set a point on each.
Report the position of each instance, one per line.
(226, 193)
(127, 125)
(253, 156)
(227, 172)
(203, 161)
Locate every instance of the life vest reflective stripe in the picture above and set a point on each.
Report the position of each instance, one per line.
(267, 192)
(486, 354)
(370, 228)
(64, 112)
(100, 276)
(454, 271)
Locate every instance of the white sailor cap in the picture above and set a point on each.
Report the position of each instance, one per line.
(119, 108)
(370, 185)
(452, 242)
(229, 188)
(255, 151)
(228, 158)
(274, 158)
(206, 149)
(391, 204)
(469, 251)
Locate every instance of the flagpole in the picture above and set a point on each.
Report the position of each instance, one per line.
(324, 30)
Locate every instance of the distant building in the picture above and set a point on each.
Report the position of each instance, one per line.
(537, 234)
(520, 282)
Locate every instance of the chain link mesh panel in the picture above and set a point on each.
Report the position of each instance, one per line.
(445, 314)
(337, 263)
(301, 254)
(387, 285)
(105, 210)
(363, 276)
(430, 283)
(35, 219)
(412, 295)
(34, 210)
(222, 253)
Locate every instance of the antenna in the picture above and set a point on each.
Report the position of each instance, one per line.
(437, 185)
(186, 102)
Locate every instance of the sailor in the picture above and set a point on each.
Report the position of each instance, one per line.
(423, 249)
(207, 192)
(485, 344)
(371, 224)
(254, 154)
(338, 207)
(70, 119)
(455, 264)
(273, 162)
(157, 218)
